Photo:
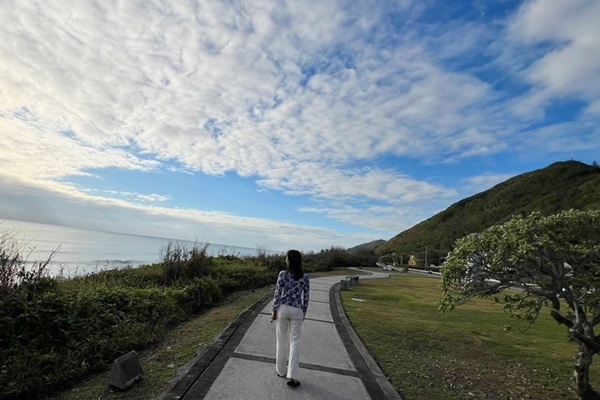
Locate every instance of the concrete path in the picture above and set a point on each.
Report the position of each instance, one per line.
(334, 364)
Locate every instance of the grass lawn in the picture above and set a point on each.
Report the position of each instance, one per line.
(465, 354)
(181, 346)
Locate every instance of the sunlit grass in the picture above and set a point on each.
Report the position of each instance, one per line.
(465, 354)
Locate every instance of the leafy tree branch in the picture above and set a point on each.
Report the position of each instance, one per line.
(541, 262)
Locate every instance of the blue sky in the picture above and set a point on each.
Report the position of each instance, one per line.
(285, 124)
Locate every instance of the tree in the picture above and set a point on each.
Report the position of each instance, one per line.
(386, 259)
(552, 261)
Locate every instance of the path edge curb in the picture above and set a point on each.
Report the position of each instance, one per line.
(387, 389)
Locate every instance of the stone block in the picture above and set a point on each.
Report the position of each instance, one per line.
(345, 284)
(125, 371)
(353, 280)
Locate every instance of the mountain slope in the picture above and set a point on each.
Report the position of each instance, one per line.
(368, 247)
(560, 186)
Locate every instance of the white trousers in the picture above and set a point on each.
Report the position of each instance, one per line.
(289, 329)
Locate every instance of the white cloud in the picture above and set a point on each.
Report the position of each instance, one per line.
(153, 198)
(594, 108)
(585, 137)
(70, 207)
(570, 31)
(159, 82)
(302, 98)
(129, 196)
(35, 150)
(385, 219)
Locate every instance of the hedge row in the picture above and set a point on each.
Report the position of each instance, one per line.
(54, 335)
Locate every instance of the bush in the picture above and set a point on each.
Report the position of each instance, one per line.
(200, 295)
(180, 263)
(327, 260)
(139, 277)
(53, 338)
(234, 277)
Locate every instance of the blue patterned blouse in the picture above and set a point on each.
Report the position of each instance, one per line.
(291, 292)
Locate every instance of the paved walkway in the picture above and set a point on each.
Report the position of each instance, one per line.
(334, 365)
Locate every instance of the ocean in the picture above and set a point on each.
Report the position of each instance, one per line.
(81, 251)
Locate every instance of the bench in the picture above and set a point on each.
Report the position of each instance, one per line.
(353, 280)
(345, 284)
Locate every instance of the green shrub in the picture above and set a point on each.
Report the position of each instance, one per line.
(325, 260)
(53, 338)
(198, 262)
(236, 277)
(140, 277)
(201, 294)
(39, 342)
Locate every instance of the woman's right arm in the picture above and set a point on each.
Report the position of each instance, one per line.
(278, 292)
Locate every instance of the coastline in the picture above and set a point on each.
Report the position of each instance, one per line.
(80, 251)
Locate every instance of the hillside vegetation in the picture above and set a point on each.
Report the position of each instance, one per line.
(558, 187)
(366, 247)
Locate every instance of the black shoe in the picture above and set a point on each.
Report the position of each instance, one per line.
(293, 383)
(281, 376)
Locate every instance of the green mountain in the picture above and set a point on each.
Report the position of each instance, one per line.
(366, 247)
(560, 186)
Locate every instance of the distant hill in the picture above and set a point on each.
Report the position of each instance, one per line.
(366, 246)
(560, 186)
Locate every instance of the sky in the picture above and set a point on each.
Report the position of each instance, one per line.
(285, 124)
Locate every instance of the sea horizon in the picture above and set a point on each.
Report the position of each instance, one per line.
(80, 251)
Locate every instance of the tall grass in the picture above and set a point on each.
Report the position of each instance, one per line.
(179, 261)
(14, 271)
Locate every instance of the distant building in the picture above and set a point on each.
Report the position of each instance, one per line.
(412, 261)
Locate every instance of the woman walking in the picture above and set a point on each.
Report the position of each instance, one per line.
(289, 310)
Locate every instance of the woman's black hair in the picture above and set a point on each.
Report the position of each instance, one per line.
(295, 264)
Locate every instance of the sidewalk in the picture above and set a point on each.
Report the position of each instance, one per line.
(334, 364)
